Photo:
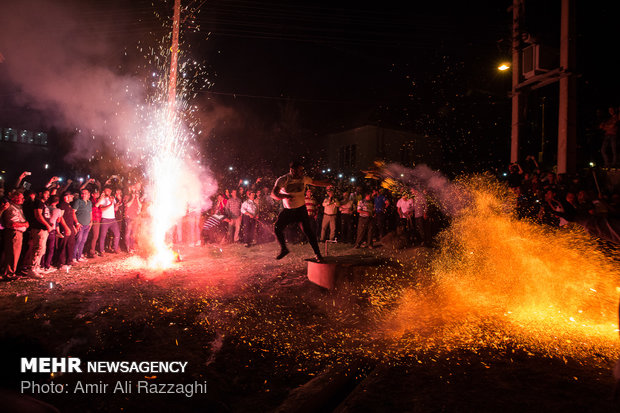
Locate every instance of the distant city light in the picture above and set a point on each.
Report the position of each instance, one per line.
(402, 175)
(323, 171)
(246, 182)
(46, 166)
(59, 179)
(352, 179)
(503, 66)
(505, 174)
(592, 164)
(340, 176)
(230, 168)
(329, 170)
(81, 180)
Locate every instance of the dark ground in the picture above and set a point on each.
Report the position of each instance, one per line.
(256, 330)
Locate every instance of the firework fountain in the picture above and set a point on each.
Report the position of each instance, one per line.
(175, 182)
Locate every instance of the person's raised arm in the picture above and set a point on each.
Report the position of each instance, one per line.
(52, 181)
(85, 184)
(21, 178)
(318, 182)
(67, 185)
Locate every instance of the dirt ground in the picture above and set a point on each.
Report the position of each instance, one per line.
(264, 338)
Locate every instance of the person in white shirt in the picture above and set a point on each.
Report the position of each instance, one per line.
(330, 212)
(249, 213)
(107, 203)
(289, 189)
(366, 211)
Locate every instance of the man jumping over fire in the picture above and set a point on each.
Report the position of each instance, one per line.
(290, 188)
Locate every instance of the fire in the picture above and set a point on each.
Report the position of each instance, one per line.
(496, 275)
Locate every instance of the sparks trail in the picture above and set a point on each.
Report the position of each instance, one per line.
(176, 182)
(495, 283)
(497, 277)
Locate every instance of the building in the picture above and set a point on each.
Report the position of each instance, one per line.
(357, 149)
(23, 150)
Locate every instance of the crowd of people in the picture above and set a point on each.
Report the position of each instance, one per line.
(61, 225)
(558, 200)
(65, 223)
(350, 214)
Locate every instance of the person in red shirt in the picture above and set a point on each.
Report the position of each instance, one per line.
(96, 225)
(313, 211)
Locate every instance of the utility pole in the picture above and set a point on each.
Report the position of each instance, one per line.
(174, 58)
(567, 130)
(517, 95)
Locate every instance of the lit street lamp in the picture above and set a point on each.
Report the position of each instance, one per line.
(503, 67)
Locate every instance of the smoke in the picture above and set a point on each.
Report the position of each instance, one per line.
(452, 197)
(62, 68)
(62, 60)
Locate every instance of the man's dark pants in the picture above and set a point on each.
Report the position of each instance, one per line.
(300, 215)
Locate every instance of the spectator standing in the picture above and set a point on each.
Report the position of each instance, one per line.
(313, 210)
(107, 203)
(249, 213)
(39, 231)
(233, 211)
(15, 224)
(346, 218)
(515, 175)
(330, 213)
(381, 204)
(66, 246)
(54, 235)
(405, 214)
(119, 217)
(365, 210)
(95, 225)
(83, 212)
(133, 208)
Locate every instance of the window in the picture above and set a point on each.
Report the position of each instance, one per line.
(347, 156)
(23, 136)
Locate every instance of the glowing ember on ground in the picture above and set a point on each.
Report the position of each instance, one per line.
(495, 285)
(496, 277)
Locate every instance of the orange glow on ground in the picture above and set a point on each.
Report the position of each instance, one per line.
(497, 277)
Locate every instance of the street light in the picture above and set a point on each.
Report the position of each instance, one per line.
(503, 67)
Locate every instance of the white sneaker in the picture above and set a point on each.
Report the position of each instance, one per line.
(65, 268)
(82, 259)
(33, 274)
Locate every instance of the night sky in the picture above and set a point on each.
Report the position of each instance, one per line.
(309, 68)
